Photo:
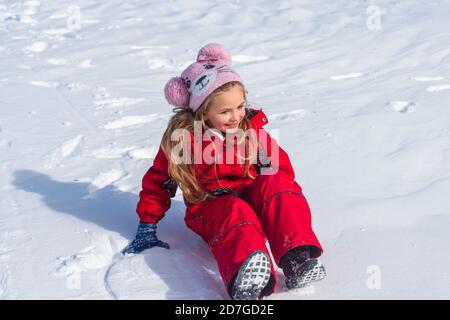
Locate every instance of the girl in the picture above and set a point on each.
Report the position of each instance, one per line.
(239, 192)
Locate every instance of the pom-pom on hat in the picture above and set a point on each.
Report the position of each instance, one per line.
(211, 70)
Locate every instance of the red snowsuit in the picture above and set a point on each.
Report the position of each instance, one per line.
(246, 212)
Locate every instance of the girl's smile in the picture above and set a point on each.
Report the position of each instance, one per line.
(227, 110)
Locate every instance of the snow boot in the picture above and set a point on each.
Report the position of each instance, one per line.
(299, 269)
(252, 277)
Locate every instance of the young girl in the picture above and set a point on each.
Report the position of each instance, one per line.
(238, 193)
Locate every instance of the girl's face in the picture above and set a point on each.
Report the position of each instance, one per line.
(227, 110)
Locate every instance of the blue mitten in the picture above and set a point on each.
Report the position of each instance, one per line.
(145, 239)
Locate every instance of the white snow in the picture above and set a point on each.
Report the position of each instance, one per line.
(425, 79)
(286, 116)
(130, 121)
(346, 76)
(86, 64)
(71, 145)
(439, 87)
(361, 103)
(56, 61)
(38, 46)
(401, 106)
(44, 84)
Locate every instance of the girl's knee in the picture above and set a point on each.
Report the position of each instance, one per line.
(274, 183)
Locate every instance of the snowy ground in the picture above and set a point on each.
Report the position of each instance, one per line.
(361, 102)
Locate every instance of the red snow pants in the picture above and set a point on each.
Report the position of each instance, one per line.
(271, 208)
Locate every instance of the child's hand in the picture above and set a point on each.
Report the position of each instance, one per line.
(145, 239)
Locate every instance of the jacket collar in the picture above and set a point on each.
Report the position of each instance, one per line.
(257, 117)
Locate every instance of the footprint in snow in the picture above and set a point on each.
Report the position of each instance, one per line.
(30, 8)
(401, 106)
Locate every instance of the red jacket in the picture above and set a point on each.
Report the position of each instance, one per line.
(158, 187)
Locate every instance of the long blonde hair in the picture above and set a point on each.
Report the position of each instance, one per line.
(184, 173)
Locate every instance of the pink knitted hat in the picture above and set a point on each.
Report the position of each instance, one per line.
(210, 71)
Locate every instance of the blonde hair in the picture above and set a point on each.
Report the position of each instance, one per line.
(184, 173)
